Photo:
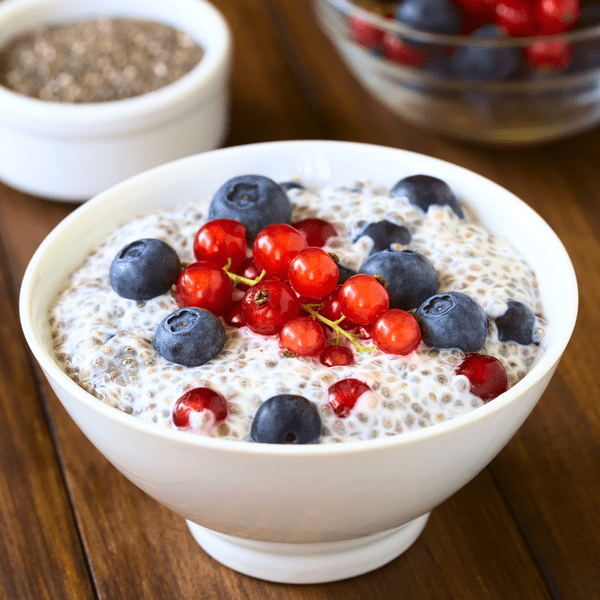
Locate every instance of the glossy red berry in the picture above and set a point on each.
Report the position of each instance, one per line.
(330, 309)
(268, 305)
(303, 336)
(363, 33)
(517, 17)
(313, 273)
(396, 332)
(200, 402)
(335, 356)
(550, 56)
(478, 7)
(234, 317)
(204, 285)
(275, 246)
(316, 232)
(219, 240)
(363, 299)
(556, 16)
(343, 395)
(395, 50)
(486, 375)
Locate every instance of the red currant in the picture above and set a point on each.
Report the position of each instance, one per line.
(343, 395)
(363, 299)
(200, 400)
(275, 246)
(400, 53)
(486, 375)
(396, 332)
(330, 309)
(313, 273)
(316, 232)
(363, 33)
(268, 305)
(250, 270)
(478, 7)
(551, 56)
(334, 356)
(517, 17)
(221, 239)
(234, 317)
(303, 336)
(204, 285)
(556, 16)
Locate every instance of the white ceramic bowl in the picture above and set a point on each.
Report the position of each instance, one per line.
(71, 152)
(271, 511)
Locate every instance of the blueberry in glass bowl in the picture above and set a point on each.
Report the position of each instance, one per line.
(496, 72)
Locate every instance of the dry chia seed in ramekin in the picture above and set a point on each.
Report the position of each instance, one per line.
(97, 60)
(104, 342)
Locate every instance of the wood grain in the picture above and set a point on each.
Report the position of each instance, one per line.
(526, 527)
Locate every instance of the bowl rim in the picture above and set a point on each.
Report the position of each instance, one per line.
(200, 81)
(541, 369)
(393, 26)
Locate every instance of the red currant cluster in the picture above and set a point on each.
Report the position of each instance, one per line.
(291, 290)
(514, 18)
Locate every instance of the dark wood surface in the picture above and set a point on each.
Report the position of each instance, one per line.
(527, 527)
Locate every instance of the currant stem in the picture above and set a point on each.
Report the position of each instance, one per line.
(335, 325)
(239, 279)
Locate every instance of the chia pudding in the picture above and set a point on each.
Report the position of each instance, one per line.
(104, 342)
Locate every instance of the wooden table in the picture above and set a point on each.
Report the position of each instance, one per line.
(527, 527)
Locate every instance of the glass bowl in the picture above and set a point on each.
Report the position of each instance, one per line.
(424, 78)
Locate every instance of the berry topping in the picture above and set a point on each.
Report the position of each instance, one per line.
(221, 240)
(556, 16)
(316, 232)
(330, 309)
(291, 185)
(343, 395)
(396, 332)
(267, 306)
(486, 375)
(452, 320)
(424, 191)
(189, 336)
(199, 408)
(205, 285)
(345, 273)
(336, 356)
(254, 200)
(410, 276)
(234, 317)
(363, 299)
(275, 247)
(384, 234)
(144, 269)
(436, 16)
(286, 419)
(516, 17)
(313, 273)
(302, 336)
(516, 324)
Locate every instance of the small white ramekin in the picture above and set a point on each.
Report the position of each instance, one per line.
(72, 152)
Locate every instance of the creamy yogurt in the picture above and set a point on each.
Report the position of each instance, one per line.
(104, 342)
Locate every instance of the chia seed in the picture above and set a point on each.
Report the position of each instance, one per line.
(97, 60)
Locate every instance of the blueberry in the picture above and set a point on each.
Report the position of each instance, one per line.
(286, 419)
(189, 336)
(436, 16)
(410, 276)
(254, 200)
(384, 234)
(516, 324)
(485, 63)
(144, 269)
(452, 320)
(424, 191)
(344, 273)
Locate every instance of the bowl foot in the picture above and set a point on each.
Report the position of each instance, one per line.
(312, 562)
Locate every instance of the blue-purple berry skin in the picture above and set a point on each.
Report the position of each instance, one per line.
(144, 269)
(254, 200)
(189, 336)
(452, 320)
(516, 324)
(286, 419)
(384, 233)
(410, 277)
(435, 16)
(424, 191)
